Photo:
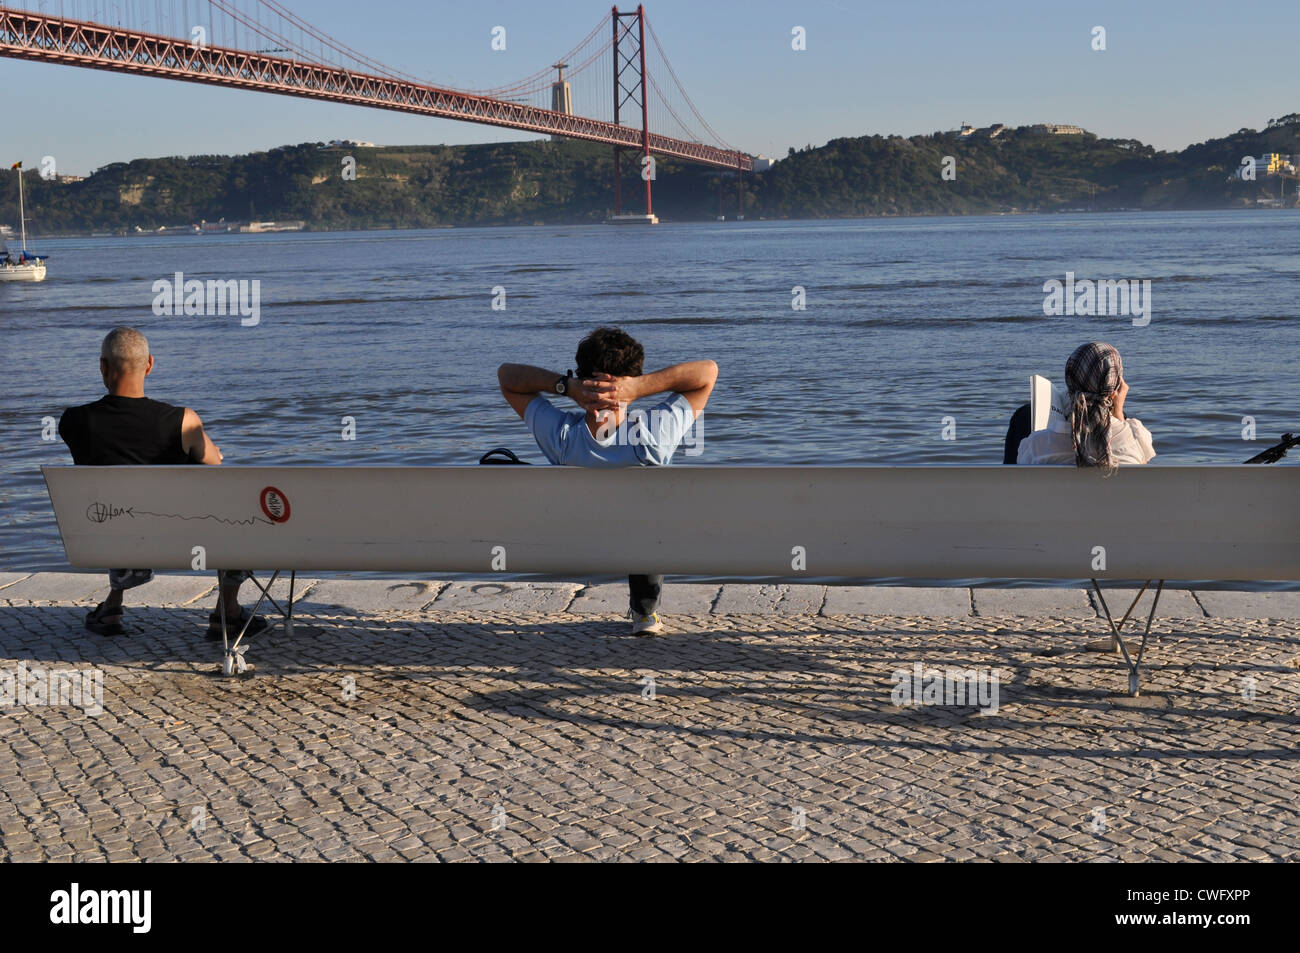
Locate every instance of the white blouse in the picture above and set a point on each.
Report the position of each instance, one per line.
(1130, 443)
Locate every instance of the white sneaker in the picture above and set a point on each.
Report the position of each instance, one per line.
(646, 624)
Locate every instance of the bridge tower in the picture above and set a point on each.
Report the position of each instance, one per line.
(561, 91)
(630, 88)
(561, 95)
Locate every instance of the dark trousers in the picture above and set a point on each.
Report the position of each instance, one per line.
(645, 591)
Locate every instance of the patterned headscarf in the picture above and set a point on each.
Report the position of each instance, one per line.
(1092, 375)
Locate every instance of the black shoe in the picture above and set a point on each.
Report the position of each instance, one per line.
(96, 621)
(233, 625)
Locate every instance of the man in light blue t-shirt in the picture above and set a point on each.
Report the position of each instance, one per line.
(605, 432)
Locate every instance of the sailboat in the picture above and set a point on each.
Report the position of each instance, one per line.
(25, 267)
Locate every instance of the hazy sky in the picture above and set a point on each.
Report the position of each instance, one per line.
(1174, 72)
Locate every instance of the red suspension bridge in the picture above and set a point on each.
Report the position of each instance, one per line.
(613, 77)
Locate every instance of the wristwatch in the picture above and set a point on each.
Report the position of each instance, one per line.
(562, 385)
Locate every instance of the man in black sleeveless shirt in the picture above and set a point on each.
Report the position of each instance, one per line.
(124, 428)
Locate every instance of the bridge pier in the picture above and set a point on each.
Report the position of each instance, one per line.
(618, 177)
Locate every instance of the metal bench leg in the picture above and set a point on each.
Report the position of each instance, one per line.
(1114, 640)
(288, 615)
(233, 661)
(227, 659)
(1133, 665)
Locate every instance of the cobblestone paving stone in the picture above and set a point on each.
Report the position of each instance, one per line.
(487, 736)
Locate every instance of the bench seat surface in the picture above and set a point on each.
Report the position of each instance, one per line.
(1221, 522)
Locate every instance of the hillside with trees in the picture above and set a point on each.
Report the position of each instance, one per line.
(570, 182)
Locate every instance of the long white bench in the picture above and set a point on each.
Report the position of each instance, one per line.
(1219, 522)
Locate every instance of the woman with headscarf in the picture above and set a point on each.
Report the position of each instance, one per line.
(1087, 426)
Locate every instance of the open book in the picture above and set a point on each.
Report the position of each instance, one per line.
(1040, 402)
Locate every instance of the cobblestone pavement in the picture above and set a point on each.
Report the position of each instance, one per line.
(534, 735)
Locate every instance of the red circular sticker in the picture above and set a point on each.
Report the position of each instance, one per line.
(275, 505)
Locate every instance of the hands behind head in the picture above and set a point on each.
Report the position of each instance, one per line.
(602, 392)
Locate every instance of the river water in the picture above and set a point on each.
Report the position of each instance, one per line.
(906, 322)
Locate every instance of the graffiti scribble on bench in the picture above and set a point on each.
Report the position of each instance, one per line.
(98, 512)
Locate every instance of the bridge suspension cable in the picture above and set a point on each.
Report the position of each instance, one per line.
(680, 89)
(264, 45)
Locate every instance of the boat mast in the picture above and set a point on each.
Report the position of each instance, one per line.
(22, 213)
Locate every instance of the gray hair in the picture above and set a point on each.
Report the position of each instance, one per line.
(125, 349)
(1092, 374)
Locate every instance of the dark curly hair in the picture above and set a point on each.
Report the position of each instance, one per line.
(610, 351)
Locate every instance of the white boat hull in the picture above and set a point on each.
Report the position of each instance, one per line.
(27, 271)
